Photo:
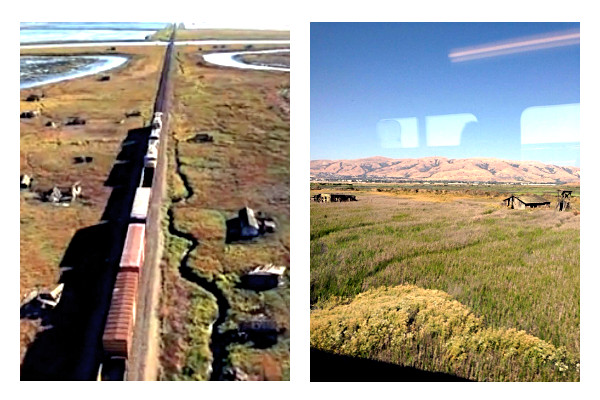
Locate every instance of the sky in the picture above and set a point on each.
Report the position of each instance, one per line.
(457, 90)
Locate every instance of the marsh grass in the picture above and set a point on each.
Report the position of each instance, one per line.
(514, 268)
(246, 164)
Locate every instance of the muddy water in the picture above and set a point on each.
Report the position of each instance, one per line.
(232, 59)
(41, 70)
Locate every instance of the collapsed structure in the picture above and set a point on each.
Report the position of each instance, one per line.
(563, 202)
(333, 197)
(249, 225)
(526, 201)
(58, 195)
(263, 277)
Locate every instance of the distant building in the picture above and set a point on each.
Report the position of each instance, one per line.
(326, 197)
(563, 202)
(526, 201)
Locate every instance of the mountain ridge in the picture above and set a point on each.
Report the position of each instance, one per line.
(477, 169)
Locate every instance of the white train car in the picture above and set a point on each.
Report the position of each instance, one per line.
(155, 133)
(141, 202)
(157, 121)
(151, 157)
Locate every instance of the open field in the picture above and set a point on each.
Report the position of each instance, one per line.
(220, 34)
(48, 154)
(468, 276)
(246, 112)
(231, 34)
(490, 190)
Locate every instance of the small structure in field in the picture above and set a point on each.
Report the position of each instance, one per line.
(57, 195)
(134, 113)
(201, 138)
(25, 181)
(83, 159)
(249, 225)
(563, 202)
(263, 277)
(260, 329)
(30, 114)
(333, 197)
(322, 198)
(51, 124)
(526, 201)
(35, 97)
(75, 121)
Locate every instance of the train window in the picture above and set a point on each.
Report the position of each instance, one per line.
(456, 90)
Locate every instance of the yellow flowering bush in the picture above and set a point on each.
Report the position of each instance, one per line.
(427, 329)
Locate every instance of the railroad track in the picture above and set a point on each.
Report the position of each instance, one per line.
(130, 339)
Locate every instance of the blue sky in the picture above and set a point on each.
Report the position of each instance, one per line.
(391, 89)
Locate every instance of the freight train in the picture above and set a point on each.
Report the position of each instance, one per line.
(120, 322)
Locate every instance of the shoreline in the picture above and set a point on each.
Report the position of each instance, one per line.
(104, 63)
(231, 59)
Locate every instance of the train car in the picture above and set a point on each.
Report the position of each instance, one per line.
(155, 133)
(118, 331)
(157, 121)
(153, 143)
(141, 201)
(151, 157)
(132, 257)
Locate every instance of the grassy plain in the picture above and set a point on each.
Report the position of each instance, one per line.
(247, 114)
(510, 270)
(231, 34)
(48, 154)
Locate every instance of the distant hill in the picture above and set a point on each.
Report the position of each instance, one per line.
(444, 169)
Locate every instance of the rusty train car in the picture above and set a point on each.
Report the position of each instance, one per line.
(120, 321)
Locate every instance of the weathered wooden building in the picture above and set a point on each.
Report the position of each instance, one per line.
(322, 198)
(563, 202)
(248, 223)
(333, 197)
(526, 201)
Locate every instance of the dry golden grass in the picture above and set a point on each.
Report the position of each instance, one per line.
(230, 34)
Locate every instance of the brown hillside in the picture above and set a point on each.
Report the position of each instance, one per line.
(444, 169)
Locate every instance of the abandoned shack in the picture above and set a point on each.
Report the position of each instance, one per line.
(322, 198)
(201, 138)
(262, 278)
(260, 329)
(30, 114)
(563, 202)
(249, 225)
(25, 181)
(58, 195)
(35, 97)
(333, 197)
(75, 121)
(343, 197)
(527, 201)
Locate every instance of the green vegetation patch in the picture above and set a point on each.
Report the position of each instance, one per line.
(517, 268)
(427, 329)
